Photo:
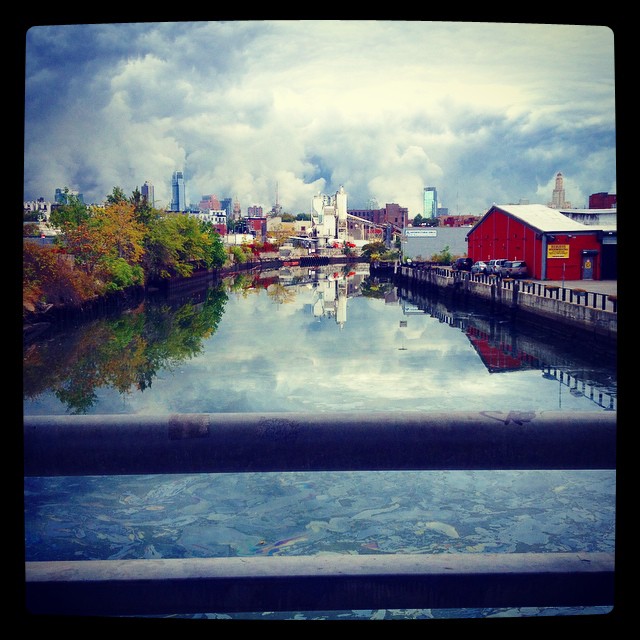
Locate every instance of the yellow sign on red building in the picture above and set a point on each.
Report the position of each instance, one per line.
(557, 251)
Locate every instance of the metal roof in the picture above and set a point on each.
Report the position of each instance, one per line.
(546, 219)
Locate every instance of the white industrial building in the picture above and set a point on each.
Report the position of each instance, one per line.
(329, 219)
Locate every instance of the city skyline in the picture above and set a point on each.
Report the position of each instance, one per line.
(283, 110)
(431, 209)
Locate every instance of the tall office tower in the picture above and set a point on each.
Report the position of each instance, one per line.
(430, 202)
(557, 198)
(178, 193)
(148, 193)
(226, 204)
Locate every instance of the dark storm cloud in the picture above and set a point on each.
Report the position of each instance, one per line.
(483, 112)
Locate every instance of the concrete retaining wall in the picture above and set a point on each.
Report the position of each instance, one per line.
(598, 322)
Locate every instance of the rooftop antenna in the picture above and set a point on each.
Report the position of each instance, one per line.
(276, 206)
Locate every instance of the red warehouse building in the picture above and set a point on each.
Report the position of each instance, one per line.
(554, 245)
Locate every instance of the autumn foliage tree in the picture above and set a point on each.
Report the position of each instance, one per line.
(108, 246)
(125, 243)
(49, 277)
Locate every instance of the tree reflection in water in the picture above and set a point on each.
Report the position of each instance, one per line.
(124, 353)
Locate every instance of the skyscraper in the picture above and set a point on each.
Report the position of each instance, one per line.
(226, 204)
(557, 198)
(147, 193)
(430, 202)
(178, 193)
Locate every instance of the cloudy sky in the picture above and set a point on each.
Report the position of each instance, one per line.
(250, 109)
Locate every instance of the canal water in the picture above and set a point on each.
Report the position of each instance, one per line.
(314, 340)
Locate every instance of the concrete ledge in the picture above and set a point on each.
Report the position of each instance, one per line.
(336, 582)
(194, 443)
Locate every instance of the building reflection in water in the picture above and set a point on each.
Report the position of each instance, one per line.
(500, 346)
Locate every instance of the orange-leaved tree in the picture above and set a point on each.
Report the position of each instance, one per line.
(49, 277)
(108, 245)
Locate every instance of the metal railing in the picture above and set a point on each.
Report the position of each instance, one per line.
(207, 443)
(572, 295)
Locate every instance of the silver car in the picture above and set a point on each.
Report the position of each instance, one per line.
(479, 267)
(493, 266)
(514, 269)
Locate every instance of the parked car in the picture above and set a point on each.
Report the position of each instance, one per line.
(462, 264)
(493, 266)
(514, 269)
(479, 267)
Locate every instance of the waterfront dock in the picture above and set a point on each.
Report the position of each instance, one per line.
(587, 306)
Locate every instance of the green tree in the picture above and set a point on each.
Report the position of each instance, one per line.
(144, 210)
(116, 196)
(417, 220)
(240, 254)
(177, 244)
(121, 275)
(373, 250)
(217, 251)
(443, 257)
(71, 214)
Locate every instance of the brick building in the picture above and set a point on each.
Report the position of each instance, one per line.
(602, 200)
(392, 214)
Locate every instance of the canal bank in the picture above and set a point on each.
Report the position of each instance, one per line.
(577, 308)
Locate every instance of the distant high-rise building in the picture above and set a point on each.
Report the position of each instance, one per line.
(62, 196)
(178, 192)
(557, 199)
(430, 202)
(209, 202)
(226, 204)
(255, 211)
(148, 193)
